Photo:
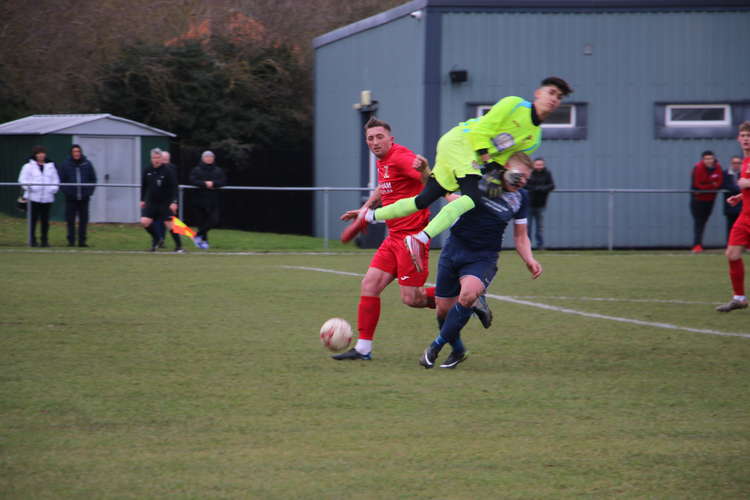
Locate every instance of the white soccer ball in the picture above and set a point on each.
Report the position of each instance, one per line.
(336, 334)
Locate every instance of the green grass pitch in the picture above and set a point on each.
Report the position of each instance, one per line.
(132, 375)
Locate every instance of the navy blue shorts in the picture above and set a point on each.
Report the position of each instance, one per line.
(456, 260)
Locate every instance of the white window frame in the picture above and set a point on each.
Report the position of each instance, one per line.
(483, 108)
(727, 121)
(570, 124)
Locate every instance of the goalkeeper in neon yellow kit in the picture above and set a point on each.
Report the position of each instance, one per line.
(474, 148)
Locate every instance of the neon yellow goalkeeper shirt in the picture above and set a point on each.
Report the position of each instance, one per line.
(508, 127)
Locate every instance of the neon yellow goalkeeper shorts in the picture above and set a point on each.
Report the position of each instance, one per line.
(454, 160)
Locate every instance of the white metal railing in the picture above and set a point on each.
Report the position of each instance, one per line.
(327, 190)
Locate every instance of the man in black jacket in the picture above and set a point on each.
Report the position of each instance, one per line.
(77, 169)
(539, 186)
(158, 199)
(208, 178)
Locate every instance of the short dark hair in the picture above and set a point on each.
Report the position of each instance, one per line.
(374, 122)
(75, 146)
(708, 152)
(558, 82)
(744, 127)
(38, 149)
(539, 158)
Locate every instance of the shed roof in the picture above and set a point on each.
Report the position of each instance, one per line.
(78, 124)
(541, 5)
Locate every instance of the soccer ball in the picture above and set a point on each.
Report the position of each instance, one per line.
(336, 334)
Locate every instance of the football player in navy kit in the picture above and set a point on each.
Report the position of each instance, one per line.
(468, 262)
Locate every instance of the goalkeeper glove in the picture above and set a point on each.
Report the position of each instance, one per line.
(491, 184)
(513, 178)
(491, 166)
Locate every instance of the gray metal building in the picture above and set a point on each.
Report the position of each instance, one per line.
(656, 83)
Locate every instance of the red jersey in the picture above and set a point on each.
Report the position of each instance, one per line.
(745, 174)
(707, 179)
(397, 179)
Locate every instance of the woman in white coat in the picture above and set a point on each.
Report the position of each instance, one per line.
(39, 171)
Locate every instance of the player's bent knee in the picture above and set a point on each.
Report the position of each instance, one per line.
(468, 298)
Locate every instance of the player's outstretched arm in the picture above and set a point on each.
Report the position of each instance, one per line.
(523, 247)
(373, 200)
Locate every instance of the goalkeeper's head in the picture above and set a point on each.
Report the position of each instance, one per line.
(517, 171)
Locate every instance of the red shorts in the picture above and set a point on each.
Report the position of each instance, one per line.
(393, 258)
(740, 235)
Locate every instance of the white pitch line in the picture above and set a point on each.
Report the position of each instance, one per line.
(565, 310)
(611, 299)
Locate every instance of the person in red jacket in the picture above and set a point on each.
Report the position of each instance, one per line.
(739, 238)
(707, 176)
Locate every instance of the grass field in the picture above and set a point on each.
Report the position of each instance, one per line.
(133, 375)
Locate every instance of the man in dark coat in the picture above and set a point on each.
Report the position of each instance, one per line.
(539, 186)
(208, 177)
(77, 169)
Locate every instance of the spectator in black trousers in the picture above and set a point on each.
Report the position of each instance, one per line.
(40, 183)
(731, 176)
(539, 186)
(208, 177)
(707, 176)
(77, 169)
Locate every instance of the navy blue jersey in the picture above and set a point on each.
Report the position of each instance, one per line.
(482, 228)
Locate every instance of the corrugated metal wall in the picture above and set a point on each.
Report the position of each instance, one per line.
(388, 61)
(638, 59)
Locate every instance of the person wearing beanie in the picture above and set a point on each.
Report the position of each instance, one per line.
(208, 177)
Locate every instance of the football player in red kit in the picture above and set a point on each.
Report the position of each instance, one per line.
(739, 237)
(401, 174)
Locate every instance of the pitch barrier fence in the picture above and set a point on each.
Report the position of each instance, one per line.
(608, 212)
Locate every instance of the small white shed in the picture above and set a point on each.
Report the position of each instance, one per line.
(118, 148)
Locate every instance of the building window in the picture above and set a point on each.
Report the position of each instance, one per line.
(482, 109)
(569, 121)
(697, 115)
(700, 120)
(562, 117)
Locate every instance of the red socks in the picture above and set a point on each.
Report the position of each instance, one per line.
(737, 275)
(368, 316)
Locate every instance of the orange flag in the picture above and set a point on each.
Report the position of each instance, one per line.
(180, 227)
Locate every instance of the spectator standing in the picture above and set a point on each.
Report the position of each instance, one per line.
(208, 177)
(77, 169)
(39, 171)
(539, 186)
(167, 163)
(731, 176)
(707, 176)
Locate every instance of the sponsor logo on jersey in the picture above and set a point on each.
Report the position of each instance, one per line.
(503, 141)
